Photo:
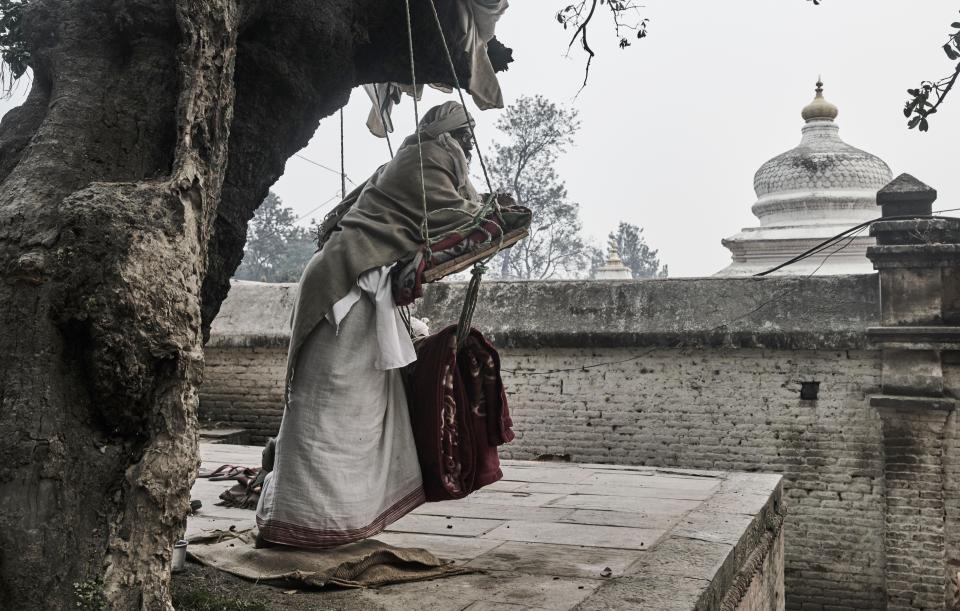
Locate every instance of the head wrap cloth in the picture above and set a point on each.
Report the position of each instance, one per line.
(447, 117)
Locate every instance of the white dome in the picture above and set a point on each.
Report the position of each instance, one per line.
(822, 161)
(808, 194)
(823, 179)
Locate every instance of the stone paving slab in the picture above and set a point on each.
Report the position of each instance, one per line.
(713, 526)
(663, 491)
(647, 592)
(489, 606)
(491, 590)
(506, 486)
(625, 503)
(466, 509)
(550, 488)
(630, 479)
(446, 547)
(655, 521)
(558, 536)
(552, 475)
(543, 559)
(735, 502)
(685, 558)
(444, 525)
(583, 535)
(515, 498)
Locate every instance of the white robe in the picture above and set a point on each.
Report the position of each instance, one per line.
(346, 464)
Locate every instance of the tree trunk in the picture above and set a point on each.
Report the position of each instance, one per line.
(104, 215)
(152, 131)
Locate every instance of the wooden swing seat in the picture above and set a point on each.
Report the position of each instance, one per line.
(466, 260)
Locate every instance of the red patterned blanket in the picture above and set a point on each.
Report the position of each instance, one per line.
(407, 276)
(459, 413)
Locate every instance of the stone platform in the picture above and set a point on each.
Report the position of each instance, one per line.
(564, 536)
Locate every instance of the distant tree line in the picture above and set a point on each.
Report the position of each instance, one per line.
(538, 132)
(277, 248)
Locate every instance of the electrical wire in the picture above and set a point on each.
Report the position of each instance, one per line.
(856, 228)
(324, 203)
(343, 167)
(329, 169)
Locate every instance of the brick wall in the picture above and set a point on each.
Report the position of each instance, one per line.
(765, 592)
(914, 507)
(951, 479)
(243, 388)
(732, 410)
(723, 409)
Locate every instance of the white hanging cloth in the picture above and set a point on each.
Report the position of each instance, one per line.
(475, 25)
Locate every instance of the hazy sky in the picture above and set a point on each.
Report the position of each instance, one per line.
(674, 127)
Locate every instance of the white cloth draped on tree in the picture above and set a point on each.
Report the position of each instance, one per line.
(476, 24)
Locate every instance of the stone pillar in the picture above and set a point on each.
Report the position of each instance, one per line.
(918, 258)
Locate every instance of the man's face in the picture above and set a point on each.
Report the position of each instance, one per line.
(462, 136)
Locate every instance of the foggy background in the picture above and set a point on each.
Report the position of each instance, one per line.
(674, 127)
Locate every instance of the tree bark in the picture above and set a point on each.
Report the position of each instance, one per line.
(152, 131)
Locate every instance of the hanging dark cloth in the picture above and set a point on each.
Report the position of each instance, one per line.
(458, 409)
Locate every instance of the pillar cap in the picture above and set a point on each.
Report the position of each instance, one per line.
(906, 196)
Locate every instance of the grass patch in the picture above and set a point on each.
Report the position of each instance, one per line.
(201, 600)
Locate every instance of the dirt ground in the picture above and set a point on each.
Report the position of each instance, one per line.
(202, 588)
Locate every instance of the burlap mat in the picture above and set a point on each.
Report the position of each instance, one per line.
(366, 563)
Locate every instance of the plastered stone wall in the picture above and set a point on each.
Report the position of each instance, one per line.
(700, 373)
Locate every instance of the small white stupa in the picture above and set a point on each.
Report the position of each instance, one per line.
(807, 195)
(613, 269)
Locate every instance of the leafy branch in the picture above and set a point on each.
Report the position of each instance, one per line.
(927, 98)
(628, 24)
(14, 57)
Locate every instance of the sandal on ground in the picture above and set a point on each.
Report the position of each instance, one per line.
(220, 471)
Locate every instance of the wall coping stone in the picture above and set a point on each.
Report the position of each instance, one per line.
(816, 312)
(784, 312)
(254, 315)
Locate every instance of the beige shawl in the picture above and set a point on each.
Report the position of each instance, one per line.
(379, 222)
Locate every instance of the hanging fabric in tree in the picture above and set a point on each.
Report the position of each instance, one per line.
(474, 25)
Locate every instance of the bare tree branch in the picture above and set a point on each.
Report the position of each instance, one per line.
(579, 15)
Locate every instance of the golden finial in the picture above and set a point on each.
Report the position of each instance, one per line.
(819, 109)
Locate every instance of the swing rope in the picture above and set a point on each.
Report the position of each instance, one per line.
(489, 205)
(424, 226)
(456, 82)
(376, 93)
(343, 167)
